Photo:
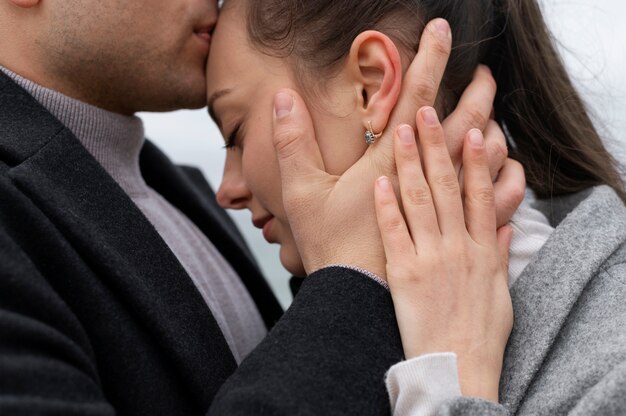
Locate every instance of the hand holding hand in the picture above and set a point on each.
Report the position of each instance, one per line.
(447, 265)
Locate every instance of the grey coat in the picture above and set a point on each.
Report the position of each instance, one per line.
(567, 351)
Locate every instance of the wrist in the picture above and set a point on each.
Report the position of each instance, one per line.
(480, 381)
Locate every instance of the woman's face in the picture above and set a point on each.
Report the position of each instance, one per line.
(241, 87)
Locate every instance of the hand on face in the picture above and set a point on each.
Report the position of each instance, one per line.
(333, 217)
(447, 267)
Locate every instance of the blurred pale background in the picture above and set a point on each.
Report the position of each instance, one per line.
(592, 36)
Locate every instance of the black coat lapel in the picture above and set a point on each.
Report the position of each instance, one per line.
(57, 173)
(188, 191)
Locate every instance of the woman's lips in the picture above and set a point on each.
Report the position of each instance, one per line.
(265, 223)
(267, 228)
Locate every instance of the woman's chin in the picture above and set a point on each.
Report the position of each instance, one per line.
(290, 259)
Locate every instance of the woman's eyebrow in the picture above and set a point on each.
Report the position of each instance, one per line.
(211, 102)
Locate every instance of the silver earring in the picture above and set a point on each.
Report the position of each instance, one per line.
(370, 136)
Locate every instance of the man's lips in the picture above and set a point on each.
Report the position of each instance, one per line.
(204, 30)
(204, 34)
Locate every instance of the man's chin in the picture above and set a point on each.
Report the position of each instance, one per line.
(183, 93)
(179, 101)
(197, 96)
(197, 104)
(194, 99)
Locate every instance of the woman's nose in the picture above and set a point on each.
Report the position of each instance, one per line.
(233, 192)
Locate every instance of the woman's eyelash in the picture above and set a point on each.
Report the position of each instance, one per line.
(232, 139)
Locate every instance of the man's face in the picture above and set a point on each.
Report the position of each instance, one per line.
(127, 56)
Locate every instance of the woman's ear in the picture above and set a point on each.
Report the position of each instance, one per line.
(375, 69)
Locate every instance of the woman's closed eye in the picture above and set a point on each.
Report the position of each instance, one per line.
(234, 139)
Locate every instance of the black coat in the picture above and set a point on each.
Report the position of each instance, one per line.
(98, 317)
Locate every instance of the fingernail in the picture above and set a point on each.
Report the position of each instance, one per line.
(476, 137)
(405, 133)
(442, 27)
(383, 183)
(283, 104)
(430, 116)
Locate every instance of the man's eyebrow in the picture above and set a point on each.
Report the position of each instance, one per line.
(211, 101)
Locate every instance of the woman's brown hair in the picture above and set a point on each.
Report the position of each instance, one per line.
(548, 127)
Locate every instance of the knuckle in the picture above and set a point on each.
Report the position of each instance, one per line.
(501, 150)
(510, 200)
(419, 196)
(517, 195)
(392, 225)
(448, 183)
(515, 185)
(425, 90)
(286, 140)
(475, 119)
(496, 140)
(519, 167)
(484, 197)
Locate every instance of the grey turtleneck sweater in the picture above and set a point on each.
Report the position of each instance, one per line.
(115, 141)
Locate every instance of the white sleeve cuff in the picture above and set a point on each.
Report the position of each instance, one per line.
(418, 386)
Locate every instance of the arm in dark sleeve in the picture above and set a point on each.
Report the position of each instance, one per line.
(46, 366)
(327, 355)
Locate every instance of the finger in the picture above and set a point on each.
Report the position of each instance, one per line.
(440, 175)
(509, 191)
(497, 151)
(393, 231)
(298, 153)
(423, 77)
(505, 236)
(417, 200)
(480, 209)
(472, 112)
(495, 144)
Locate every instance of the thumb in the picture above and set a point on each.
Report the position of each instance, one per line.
(505, 235)
(298, 153)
